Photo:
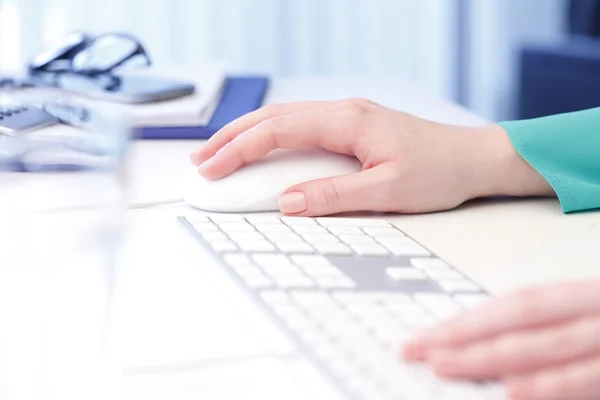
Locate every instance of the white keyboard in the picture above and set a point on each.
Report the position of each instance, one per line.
(348, 292)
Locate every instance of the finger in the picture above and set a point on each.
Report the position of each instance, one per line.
(315, 128)
(520, 352)
(578, 381)
(242, 124)
(523, 310)
(354, 192)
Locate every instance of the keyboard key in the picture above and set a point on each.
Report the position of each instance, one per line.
(310, 260)
(345, 230)
(417, 320)
(366, 310)
(305, 229)
(223, 246)
(220, 218)
(248, 271)
(388, 299)
(288, 312)
(402, 246)
(459, 391)
(356, 239)
(295, 247)
(355, 222)
(263, 219)
(335, 282)
(444, 274)
(246, 236)
(258, 282)
(333, 249)
(261, 246)
(237, 259)
(315, 238)
(294, 282)
(214, 236)
(440, 306)
(205, 227)
(429, 263)
(471, 300)
(321, 271)
(232, 227)
(405, 274)
(313, 299)
(275, 297)
(283, 237)
(196, 219)
(282, 270)
(298, 221)
(376, 232)
(369, 250)
(265, 260)
(284, 273)
(356, 298)
(273, 228)
(462, 285)
(404, 308)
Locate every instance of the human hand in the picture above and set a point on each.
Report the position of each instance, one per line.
(410, 165)
(543, 342)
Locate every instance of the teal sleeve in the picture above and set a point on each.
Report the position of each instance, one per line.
(565, 149)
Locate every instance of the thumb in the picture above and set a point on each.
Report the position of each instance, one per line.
(355, 192)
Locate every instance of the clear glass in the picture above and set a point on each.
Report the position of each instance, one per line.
(60, 227)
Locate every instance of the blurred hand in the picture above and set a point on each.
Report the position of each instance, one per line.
(410, 165)
(544, 343)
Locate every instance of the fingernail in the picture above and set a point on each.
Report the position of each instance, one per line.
(206, 165)
(413, 350)
(292, 203)
(193, 158)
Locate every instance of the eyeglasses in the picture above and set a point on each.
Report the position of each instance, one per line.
(80, 53)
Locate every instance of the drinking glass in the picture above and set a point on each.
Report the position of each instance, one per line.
(62, 213)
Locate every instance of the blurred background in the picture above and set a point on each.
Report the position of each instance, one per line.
(502, 58)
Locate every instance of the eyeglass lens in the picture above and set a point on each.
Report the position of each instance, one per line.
(58, 48)
(104, 53)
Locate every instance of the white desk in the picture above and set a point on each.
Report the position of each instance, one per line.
(174, 306)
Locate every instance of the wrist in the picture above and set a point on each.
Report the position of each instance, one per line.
(493, 167)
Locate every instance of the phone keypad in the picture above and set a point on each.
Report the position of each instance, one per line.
(16, 119)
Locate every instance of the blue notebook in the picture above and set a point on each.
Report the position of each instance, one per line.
(241, 95)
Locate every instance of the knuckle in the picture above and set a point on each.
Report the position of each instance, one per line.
(271, 109)
(269, 129)
(357, 105)
(331, 195)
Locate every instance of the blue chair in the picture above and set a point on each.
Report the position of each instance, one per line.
(565, 77)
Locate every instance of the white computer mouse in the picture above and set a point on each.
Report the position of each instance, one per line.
(257, 186)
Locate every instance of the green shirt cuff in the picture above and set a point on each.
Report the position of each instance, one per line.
(565, 150)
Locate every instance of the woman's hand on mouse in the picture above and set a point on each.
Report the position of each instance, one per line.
(544, 343)
(409, 165)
